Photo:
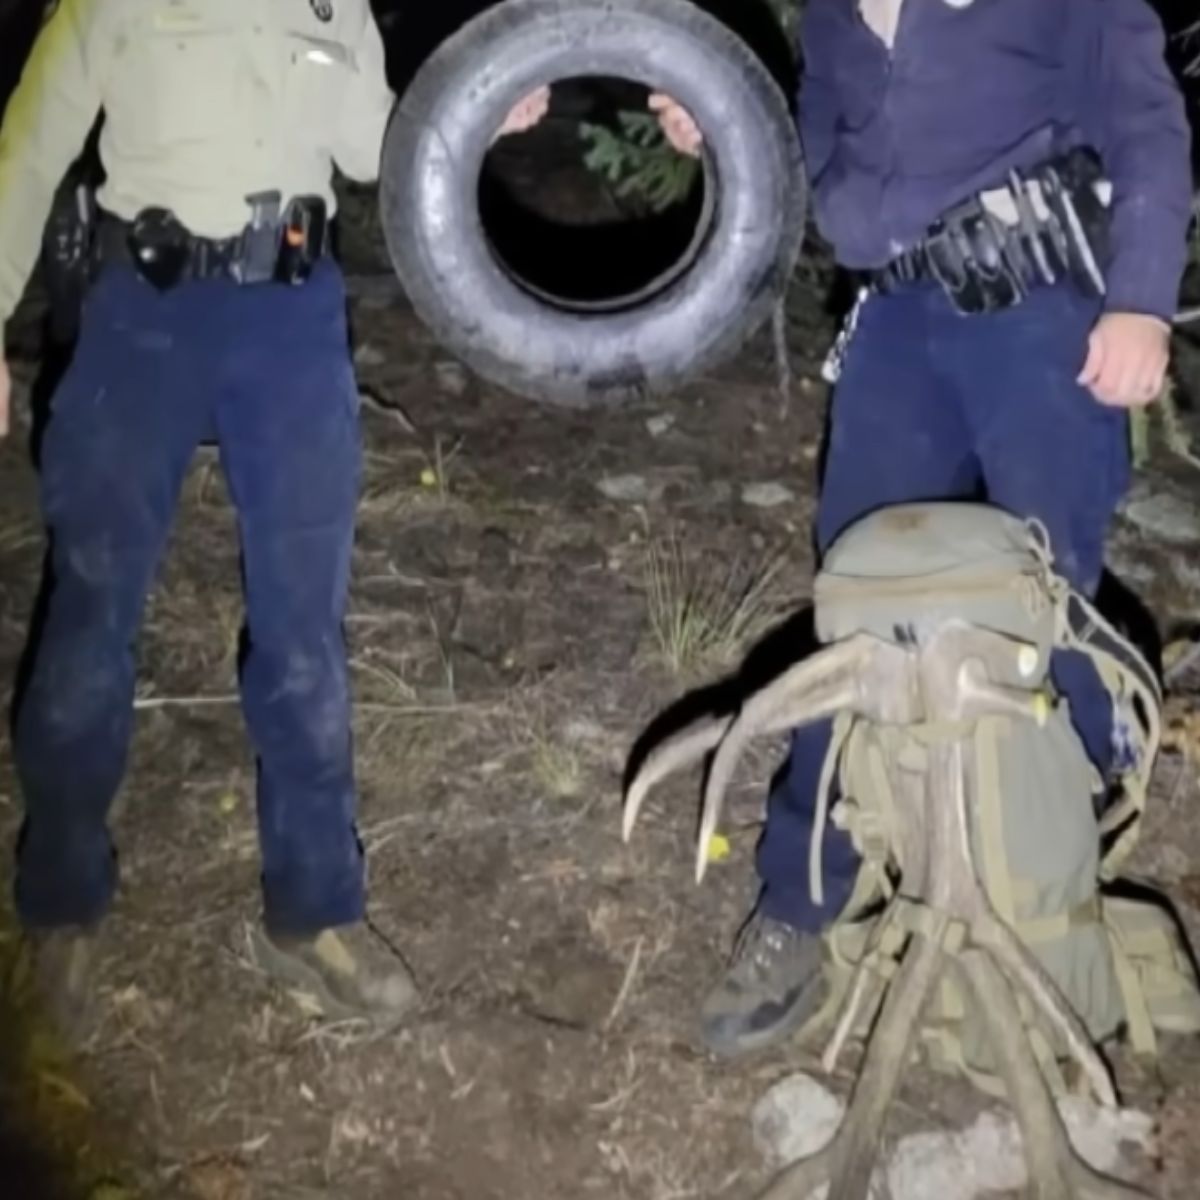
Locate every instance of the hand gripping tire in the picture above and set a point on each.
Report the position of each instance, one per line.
(744, 253)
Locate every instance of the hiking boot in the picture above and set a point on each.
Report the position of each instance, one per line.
(54, 976)
(350, 971)
(773, 986)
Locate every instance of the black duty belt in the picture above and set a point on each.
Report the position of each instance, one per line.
(277, 245)
(1053, 226)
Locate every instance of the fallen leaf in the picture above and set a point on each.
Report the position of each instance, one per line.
(65, 1089)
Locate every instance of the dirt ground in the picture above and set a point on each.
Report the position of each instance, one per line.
(512, 630)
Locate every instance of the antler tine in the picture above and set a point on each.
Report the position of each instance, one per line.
(834, 679)
(679, 750)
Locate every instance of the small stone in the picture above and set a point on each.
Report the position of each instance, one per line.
(1163, 515)
(584, 729)
(798, 1116)
(958, 1166)
(450, 377)
(656, 426)
(1171, 862)
(629, 489)
(1187, 573)
(1100, 1135)
(767, 495)
(1130, 567)
(987, 1157)
(367, 356)
(795, 1118)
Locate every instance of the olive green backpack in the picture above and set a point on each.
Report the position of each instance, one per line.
(1048, 863)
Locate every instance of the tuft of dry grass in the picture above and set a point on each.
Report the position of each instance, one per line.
(1166, 418)
(196, 630)
(554, 761)
(376, 679)
(705, 614)
(413, 480)
(1181, 729)
(18, 534)
(556, 768)
(436, 475)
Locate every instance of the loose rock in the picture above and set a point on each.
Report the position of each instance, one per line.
(629, 489)
(1164, 515)
(767, 495)
(451, 378)
(798, 1116)
(368, 356)
(795, 1118)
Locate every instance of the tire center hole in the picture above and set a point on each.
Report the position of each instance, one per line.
(593, 209)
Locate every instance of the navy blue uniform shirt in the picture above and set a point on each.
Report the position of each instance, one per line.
(896, 137)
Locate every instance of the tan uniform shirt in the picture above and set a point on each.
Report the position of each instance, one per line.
(205, 102)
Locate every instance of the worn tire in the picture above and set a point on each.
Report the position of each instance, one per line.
(435, 148)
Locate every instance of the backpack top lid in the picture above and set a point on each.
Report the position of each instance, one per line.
(905, 571)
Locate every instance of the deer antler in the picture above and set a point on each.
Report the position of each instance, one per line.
(672, 754)
(861, 674)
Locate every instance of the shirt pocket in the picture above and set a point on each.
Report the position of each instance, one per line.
(181, 79)
(317, 72)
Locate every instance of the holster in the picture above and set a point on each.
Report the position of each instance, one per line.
(278, 245)
(984, 264)
(67, 255)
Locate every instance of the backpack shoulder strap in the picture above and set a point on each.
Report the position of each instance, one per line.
(1137, 716)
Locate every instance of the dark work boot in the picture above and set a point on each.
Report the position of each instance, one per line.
(774, 985)
(54, 976)
(349, 971)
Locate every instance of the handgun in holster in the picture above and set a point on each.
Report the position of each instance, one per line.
(282, 244)
(67, 257)
(303, 238)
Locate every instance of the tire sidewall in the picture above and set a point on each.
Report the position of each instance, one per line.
(440, 134)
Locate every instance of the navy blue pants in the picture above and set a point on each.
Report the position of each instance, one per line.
(932, 405)
(265, 370)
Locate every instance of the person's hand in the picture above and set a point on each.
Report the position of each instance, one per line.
(5, 396)
(526, 113)
(1127, 359)
(678, 126)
